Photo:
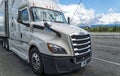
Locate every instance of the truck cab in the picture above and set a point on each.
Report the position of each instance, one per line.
(40, 34)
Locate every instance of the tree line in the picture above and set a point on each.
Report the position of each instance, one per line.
(103, 29)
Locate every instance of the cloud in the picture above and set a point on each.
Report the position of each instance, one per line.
(0, 1)
(110, 18)
(82, 16)
(1, 20)
(111, 10)
(56, 1)
(86, 16)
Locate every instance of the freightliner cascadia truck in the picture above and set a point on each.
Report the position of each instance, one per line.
(38, 32)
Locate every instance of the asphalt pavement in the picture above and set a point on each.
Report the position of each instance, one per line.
(105, 61)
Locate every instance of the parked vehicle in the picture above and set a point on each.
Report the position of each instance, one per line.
(37, 31)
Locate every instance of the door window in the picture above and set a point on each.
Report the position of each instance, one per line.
(24, 15)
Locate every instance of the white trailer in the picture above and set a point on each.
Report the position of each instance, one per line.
(37, 31)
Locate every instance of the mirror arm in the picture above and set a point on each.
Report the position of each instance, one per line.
(57, 33)
(48, 26)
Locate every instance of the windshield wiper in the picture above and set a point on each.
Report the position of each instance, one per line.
(44, 20)
(58, 21)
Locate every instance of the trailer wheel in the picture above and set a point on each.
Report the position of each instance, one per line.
(35, 61)
(5, 44)
(2, 43)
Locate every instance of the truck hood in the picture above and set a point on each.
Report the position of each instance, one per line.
(67, 29)
(64, 28)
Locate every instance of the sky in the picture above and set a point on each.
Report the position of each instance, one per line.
(92, 11)
(100, 6)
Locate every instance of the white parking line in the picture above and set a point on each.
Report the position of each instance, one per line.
(118, 64)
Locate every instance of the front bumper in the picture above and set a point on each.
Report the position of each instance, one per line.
(55, 65)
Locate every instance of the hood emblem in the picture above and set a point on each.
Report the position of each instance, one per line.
(82, 33)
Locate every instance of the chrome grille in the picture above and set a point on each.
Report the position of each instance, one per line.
(81, 44)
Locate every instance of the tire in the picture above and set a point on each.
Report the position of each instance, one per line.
(36, 61)
(6, 45)
(3, 42)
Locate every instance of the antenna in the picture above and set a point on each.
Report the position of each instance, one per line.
(76, 10)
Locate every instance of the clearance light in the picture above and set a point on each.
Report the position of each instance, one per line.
(33, 4)
(46, 6)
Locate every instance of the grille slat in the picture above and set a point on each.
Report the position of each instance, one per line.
(76, 49)
(80, 39)
(81, 46)
(85, 50)
(81, 43)
(79, 36)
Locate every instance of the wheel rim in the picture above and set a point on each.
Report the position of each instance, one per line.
(3, 44)
(6, 46)
(35, 60)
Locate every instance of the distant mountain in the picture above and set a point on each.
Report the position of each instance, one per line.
(97, 25)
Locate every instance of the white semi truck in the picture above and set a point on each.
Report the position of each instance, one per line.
(37, 31)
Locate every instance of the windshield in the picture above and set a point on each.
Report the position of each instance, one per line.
(40, 14)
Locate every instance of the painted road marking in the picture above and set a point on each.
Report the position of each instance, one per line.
(118, 64)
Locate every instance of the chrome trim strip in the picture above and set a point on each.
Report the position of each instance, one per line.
(77, 54)
(81, 44)
(82, 48)
(80, 39)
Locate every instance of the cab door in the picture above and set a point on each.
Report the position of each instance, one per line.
(24, 24)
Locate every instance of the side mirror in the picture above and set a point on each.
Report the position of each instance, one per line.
(47, 24)
(68, 19)
(88, 26)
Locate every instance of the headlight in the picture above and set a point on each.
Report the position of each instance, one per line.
(56, 49)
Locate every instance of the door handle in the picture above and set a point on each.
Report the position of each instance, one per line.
(21, 35)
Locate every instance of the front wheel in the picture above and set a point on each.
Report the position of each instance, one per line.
(35, 61)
